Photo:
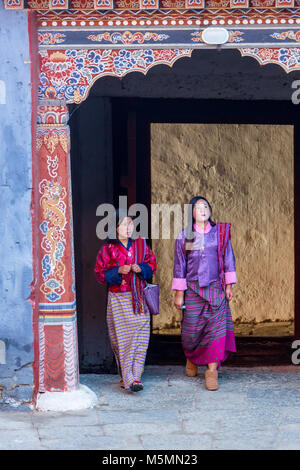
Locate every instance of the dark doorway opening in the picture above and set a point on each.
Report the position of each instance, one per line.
(111, 156)
(132, 119)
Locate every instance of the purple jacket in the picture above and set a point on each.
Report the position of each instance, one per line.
(201, 264)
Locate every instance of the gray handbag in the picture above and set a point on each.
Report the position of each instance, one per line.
(152, 297)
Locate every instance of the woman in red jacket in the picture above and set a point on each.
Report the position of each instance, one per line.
(124, 264)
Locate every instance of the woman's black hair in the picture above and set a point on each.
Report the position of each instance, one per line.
(191, 219)
(120, 215)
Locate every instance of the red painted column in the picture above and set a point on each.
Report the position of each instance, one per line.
(58, 350)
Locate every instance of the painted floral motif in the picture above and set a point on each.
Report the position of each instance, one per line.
(52, 289)
(128, 4)
(288, 59)
(53, 242)
(172, 3)
(82, 4)
(104, 3)
(51, 117)
(197, 36)
(14, 3)
(44, 227)
(294, 35)
(195, 3)
(262, 3)
(58, 3)
(217, 4)
(48, 38)
(285, 57)
(150, 4)
(57, 69)
(52, 163)
(68, 75)
(51, 141)
(127, 37)
(46, 266)
(235, 36)
(38, 4)
(239, 3)
(126, 60)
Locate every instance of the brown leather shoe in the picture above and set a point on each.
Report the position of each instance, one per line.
(211, 379)
(191, 369)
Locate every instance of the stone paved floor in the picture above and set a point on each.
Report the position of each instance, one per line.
(253, 409)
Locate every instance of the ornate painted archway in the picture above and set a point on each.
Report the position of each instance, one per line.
(80, 41)
(79, 48)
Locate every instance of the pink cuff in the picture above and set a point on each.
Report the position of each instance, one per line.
(230, 278)
(179, 284)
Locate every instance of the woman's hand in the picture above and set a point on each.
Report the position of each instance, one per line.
(228, 292)
(124, 269)
(178, 302)
(135, 268)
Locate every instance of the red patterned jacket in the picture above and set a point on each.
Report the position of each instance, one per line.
(113, 255)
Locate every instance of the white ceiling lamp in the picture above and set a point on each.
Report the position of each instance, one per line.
(215, 36)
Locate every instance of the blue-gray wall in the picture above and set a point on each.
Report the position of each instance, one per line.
(16, 376)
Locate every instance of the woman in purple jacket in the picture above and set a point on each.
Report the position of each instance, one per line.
(204, 271)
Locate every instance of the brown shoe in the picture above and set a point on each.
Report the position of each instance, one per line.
(191, 369)
(211, 379)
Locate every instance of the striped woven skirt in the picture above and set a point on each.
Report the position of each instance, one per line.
(207, 333)
(129, 336)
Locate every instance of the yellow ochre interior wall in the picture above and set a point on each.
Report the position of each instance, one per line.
(246, 173)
